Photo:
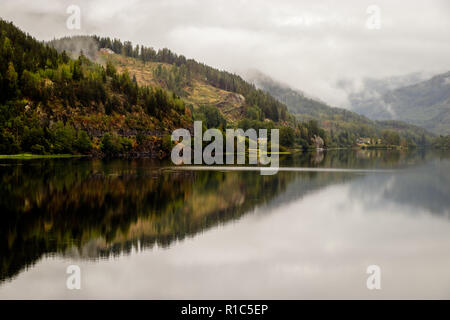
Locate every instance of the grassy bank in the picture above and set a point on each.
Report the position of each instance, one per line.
(26, 156)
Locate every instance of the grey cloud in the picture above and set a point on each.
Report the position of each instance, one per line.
(310, 45)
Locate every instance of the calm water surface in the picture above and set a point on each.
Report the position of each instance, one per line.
(138, 229)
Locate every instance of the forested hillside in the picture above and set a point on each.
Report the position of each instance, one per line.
(50, 103)
(425, 103)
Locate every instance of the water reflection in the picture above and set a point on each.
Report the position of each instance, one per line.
(83, 209)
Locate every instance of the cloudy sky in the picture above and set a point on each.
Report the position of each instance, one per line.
(310, 45)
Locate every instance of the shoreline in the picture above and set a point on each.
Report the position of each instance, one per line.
(26, 156)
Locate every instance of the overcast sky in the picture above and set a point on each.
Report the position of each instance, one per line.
(310, 45)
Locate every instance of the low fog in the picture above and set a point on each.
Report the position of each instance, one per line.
(326, 49)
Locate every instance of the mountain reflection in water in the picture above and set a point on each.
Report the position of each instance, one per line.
(92, 209)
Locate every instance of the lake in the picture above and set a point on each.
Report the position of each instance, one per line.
(142, 229)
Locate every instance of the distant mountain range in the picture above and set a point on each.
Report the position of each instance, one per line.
(297, 102)
(233, 97)
(424, 103)
(340, 121)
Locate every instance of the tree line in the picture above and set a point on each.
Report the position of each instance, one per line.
(189, 69)
(41, 90)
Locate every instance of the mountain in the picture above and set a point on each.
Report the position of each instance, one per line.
(344, 125)
(305, 108)
(196, 83)
(104, 97)
(370, 87)
(51, 102)
(426, 103)
(238, 100)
